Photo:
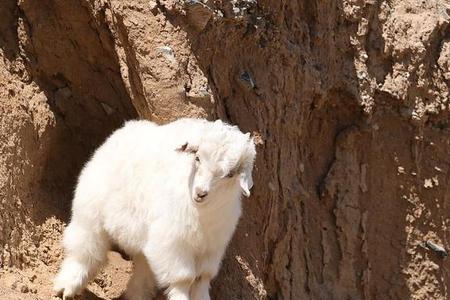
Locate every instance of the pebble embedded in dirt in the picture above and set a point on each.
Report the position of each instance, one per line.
(20, 286)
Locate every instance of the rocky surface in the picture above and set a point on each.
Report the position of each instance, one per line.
(348, 99)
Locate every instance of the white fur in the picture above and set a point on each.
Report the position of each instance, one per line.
(141, 191)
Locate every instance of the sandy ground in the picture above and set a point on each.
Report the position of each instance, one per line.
(36, 283)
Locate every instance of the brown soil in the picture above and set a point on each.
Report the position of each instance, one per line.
(349, 100)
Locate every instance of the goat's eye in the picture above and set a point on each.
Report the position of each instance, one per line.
(230, 175)
(197, 159)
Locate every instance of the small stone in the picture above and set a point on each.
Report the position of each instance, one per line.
(192, 2)
(167, 52)
(247, 80)
(198, 13)
(401, 170)
(24, 289)
(443, 12)
(437, 248)
(428, 184)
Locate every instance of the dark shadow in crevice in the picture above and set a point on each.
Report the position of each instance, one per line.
(70, 56)
(8, 29)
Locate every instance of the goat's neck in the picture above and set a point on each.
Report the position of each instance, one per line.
(224, 203)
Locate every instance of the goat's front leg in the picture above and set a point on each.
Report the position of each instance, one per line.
(179, 290)
(172, 267)
(208, 268)
(142, 283)
(200, 288)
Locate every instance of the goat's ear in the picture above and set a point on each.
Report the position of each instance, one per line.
(187, 147)
(246, 182)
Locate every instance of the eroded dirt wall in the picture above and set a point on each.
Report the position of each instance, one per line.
(349, 100)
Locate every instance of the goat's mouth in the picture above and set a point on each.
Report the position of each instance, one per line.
(200, 200)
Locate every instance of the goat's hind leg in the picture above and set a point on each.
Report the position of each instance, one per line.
(86, 251)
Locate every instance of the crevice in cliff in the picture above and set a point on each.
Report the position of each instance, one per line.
(82, 84)
(137, 92)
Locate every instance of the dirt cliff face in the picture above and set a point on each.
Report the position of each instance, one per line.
(348, 100)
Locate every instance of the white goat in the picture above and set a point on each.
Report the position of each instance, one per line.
(169, 196)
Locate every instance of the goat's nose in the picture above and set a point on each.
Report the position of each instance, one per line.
(202, 194)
